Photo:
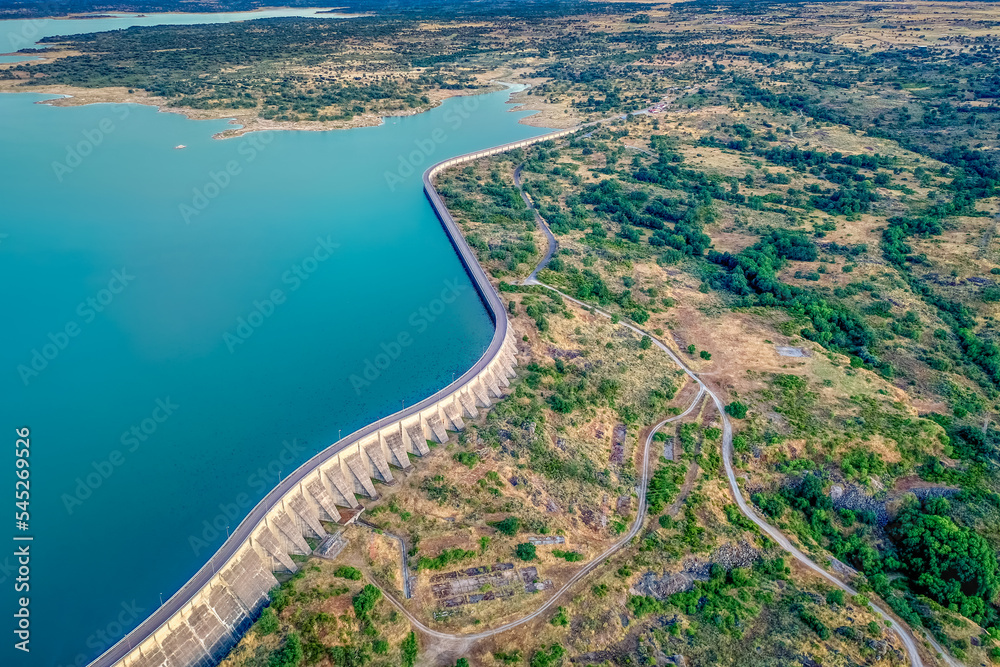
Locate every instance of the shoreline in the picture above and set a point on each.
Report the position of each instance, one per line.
(246, 121)
(86, 16)
(243, 121)
(77, 16)
(491, 371)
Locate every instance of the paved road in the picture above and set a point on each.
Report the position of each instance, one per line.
(533, 278)
(907, 636)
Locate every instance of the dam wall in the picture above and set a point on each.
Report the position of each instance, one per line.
(200, 623)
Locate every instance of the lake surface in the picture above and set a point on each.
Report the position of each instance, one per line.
(182, 327)
(17, 34)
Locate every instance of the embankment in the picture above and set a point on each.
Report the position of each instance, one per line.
(202, 621)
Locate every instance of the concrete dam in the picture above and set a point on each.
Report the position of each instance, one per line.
(202, 621)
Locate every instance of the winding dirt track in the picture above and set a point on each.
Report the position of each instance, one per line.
(906, 636)
(585, 570)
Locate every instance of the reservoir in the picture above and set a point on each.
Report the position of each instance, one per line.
(184, 327)
(17, 34)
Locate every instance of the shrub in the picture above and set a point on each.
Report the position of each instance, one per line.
(468, 459)
(663, 488)
(705, 355)
(267, 624)
(444, 559)
(813, 622)
(512, 658)
(279, 598)
(547, 658)
(737, 409)
(526, 551)
(569, 556)
(365, 600)
(836, 596)
(348, 572)
(289, 655)
(409, 649)
(508, 526)
(773, 505)
(644, 605)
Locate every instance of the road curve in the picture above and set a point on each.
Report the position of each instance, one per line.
(584, 571)
(907, 638)
(403, 560)
(533, 278)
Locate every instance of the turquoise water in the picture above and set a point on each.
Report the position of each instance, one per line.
(23, 33)
(157, 399)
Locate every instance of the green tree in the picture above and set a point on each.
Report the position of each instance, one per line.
(289, 655)
(508, 526)
(737, 409)
(267, 624)
(365, 600)
(348, 572)
(526, 551)
(279, 597)
(953, 564)
(548, 657)
(408, 649)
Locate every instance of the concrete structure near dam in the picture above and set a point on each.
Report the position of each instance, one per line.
(200, 623)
